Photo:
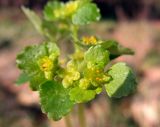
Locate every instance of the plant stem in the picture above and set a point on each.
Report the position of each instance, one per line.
(81, 115)
(74, 30)
(68, 121)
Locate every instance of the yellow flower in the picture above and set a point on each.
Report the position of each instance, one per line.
(84, 83)
(89, 40)
(46, 64)
(96, 76)
(71, 75)
(70, 7)
(66, 10)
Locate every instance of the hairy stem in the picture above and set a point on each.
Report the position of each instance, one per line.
(81, 115)
(74, 31)
(68, 121)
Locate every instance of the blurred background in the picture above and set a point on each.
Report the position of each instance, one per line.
(134, 23)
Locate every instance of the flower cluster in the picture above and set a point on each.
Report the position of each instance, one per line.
(80, 76)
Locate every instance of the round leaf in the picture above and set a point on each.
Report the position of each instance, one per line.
(97, 56)
(55, 100)
(80, 95)
(123, 81)
(86, 14)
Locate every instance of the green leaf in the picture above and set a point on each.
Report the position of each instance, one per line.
(28, 59)
(23, 78)
(123, 81)
(55, 100)
(116, 49)
(49, 10)
(86, 14)
(97, 56)
(80, 95)
(34, 18)
(36, 80)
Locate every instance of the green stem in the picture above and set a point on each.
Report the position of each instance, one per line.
(68, 121)
(81, 115)
(77, 43)
(75, 36)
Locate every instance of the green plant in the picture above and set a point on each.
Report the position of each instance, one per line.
(62, 84)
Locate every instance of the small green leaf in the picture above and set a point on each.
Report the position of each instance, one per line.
(80, 95)
(34, 18)
(23, 78)
(97, 56)
(86, 14)
(55, 100)
(123, 81)
(116, 49)
(28, 60)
